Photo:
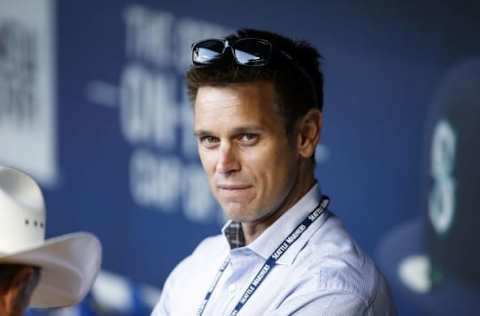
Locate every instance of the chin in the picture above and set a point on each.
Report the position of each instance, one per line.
(236, 212)
(244, 214)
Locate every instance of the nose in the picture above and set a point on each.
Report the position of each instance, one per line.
(227, 159)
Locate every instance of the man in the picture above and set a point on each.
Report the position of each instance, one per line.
(257, 101)
(33, 271)
(16, 286)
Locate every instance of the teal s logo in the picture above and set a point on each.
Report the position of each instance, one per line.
(441, 202)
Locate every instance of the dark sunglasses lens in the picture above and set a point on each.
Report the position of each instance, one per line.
(252, 52)
(208, 51)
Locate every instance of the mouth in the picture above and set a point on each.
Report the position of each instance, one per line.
(234, 193)
(233, 187)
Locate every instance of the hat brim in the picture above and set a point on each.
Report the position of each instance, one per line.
(69, 265)
(402, 257)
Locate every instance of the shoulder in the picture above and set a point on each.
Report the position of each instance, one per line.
(332, 261)
(190, 276)
(331, 275)
(215, 243)
(207, 252)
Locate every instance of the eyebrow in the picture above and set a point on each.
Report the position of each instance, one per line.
(235, 131)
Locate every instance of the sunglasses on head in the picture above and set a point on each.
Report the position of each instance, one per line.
(251, 52)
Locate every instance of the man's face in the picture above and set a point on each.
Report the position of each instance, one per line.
(244, 149)
(17, 284)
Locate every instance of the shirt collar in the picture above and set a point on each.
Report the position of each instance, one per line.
(273, 236)
(233, 232)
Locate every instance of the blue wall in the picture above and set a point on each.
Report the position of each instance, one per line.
(125, 161)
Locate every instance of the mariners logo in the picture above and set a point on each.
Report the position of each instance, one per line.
(441, 203)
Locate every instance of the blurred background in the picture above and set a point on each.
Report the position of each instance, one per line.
(93, 105)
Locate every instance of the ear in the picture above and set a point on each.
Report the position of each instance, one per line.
(308, 133)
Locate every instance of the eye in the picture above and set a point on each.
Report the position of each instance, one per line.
(248, 138)
(208, 141)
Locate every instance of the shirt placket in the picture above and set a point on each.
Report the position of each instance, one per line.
(241, 271)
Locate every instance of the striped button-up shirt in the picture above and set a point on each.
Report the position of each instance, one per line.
(323, 273)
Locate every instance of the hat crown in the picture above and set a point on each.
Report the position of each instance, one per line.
(22, 212)
(451, 193)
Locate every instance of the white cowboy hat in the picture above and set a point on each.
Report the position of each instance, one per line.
(69, 263)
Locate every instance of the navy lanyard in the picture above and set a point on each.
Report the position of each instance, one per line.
(269, 263)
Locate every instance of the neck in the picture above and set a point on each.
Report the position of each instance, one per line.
(252, 230)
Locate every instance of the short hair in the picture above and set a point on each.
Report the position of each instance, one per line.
(298, 83)
(9, 270)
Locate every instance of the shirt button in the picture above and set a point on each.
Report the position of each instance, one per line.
(232, 287)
